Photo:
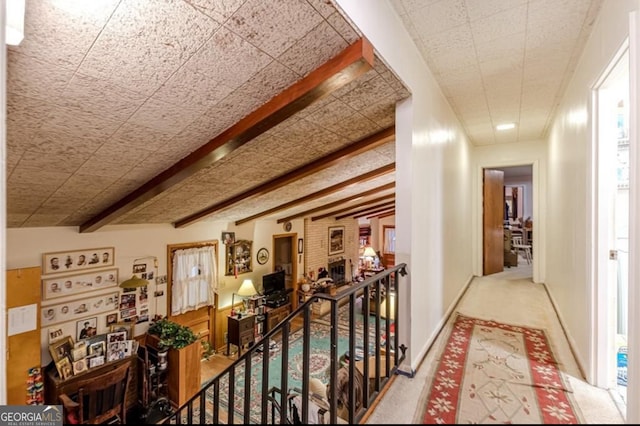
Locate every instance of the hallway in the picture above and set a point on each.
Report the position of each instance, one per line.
(510, 297)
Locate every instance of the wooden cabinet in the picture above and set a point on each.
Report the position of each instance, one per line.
(240, 331)
(54, 386)
(275, 315)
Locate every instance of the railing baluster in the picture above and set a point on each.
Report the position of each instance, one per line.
(376, 284)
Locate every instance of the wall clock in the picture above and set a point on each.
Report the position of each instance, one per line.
(263, 256)
(287, 226)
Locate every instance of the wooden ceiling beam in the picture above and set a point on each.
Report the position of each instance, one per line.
(382, 214)
(363, 145)
(368, 210)
(381, 171)
(355, 206)
(374, 191)
(351, 63)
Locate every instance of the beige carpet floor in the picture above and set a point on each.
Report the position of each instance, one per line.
(510, 297)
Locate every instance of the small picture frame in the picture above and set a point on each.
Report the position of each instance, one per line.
(86, 328)
(96, 361)
(123, 327)
(80, 366)
(65, 370)
(55, 334)
(228, 237)
(61, 349)
(112, 319)
(117, 336)
(97, 349)
(79, 351)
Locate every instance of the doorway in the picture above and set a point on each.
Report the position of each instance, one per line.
(612, 248)
(285, 249)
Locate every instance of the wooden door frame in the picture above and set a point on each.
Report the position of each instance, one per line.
(294, 260)
(538, 186)
(171, 248)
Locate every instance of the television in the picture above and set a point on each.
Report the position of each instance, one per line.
(273, 283)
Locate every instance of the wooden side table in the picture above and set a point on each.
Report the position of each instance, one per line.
(240, 331)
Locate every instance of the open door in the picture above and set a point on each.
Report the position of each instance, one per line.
(493, 209)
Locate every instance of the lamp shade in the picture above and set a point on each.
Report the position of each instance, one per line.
(369, 252)
(134, 282)
(247, 288)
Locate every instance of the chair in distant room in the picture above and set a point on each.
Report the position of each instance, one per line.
(519, 246)
(100, 399)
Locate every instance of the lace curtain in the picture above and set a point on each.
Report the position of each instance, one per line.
(195, 279)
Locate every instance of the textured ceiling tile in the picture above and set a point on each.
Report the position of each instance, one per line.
(84, 185)
(441, 16)
(324, 7)
(274, 26)
(478, 9)
(104, 167)
(35, 78)
(189, 87)
(233, 108)
(367, 93)
(382, 113)
(268, 83)
(16, 220)
(502, 24)
(219, 10)
(18, 204)
(354, 127)
(100, 97)
(453, 61)
(164, 117)
(226, 57)
(58, 204)
(146, 42)
(343, 28)
(510, 49)
(60, 142)
(323, 41)
(141, 136)
(24, 117)
(331, 113)
(62, 31)
(75, 121)
(54, 162)
(44, 219)
(123, 154)
(30, 175)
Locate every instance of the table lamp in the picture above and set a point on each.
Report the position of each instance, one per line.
(369, 254)
(247, 289)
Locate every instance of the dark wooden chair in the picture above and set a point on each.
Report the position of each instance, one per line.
(99, 399)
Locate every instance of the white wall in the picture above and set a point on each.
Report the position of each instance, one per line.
(433, 182)
(512, 154)
(25, 247)
(569, 218)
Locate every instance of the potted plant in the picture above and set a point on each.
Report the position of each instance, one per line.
(184, 354)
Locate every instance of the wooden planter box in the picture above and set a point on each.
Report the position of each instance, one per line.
(183, 377)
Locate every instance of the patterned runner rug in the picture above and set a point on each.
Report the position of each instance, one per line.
(498, 373)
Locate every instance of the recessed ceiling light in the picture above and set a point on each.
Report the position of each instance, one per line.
(506, 126)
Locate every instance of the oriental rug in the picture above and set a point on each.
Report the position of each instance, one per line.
(491, 372)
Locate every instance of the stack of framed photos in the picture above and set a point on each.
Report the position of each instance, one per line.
(74, 358)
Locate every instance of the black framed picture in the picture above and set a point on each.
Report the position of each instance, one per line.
(300, 245)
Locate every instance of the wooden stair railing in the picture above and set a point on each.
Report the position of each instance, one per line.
(206, 406)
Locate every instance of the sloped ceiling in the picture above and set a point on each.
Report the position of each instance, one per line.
(106, 95)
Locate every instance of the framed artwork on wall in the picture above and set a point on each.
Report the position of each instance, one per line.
(77, 309)
(336, 240)
(77, 260)
(69, 285)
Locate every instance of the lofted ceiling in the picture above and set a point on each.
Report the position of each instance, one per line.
(176, 111)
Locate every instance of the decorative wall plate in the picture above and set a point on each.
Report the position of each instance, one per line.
(287, 226)
(263, 256)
